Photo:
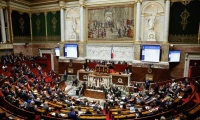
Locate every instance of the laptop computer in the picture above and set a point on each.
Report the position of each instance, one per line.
(132, 109)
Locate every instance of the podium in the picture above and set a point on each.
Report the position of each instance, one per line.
(102, 68)
(98, 80)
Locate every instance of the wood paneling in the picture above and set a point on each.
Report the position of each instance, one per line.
(138, 74)
(65, 65)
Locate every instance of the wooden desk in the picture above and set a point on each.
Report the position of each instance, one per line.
(94, 94)
(116, 78)
(178, 99)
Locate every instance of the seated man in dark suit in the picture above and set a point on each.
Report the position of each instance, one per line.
(159, 102)
(75, 82)
(187, 91)
(30, 107)
(156, 88)
(93, 87)
(83, 67)
(54, 76)
(88, 111)
(72, 115)
(125, 72)
(11, 80)
(186, 82)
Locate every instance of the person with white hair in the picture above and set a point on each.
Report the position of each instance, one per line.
(30, 107)
(162, 118)
(46, 107)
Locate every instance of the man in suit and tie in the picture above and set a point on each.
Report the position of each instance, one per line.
(72, 115)
(83, 67)
(31, 108)
(46, 107)
(116, 91)
(156, 88)
(136, 85)
(125, 72)
(81, 90)
(147, 84)
(65, 75)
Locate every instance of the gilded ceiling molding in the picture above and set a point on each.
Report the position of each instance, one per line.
(185, 2)
(19, 10)
(184, 15)
(138, 1)
(21, 13)
(180, 0)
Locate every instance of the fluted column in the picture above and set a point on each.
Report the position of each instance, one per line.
(166, 21)
(3, 32)
(81, 38)
(8, 25)
(138, 14)
(62, 24)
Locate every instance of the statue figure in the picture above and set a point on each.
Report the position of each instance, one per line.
(74, 24)
(151, 21)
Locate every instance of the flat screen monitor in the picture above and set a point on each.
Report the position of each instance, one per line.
(174, 56)
(71, 50)
(57, 51)
(151, 53)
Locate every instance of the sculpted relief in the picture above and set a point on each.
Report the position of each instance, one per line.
(104, 52)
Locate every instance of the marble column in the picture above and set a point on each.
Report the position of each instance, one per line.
(166, 21)
(81, 38)
(62, 24)
(8, 25)
(138, 14)
(3, 31)
(66, 26)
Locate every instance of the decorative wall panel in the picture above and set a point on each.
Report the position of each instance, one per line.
(184, 22)
(104, 52)
(53, 23)
(38, 24)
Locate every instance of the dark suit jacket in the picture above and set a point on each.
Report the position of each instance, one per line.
(72, 115)
(30, 108)
(156, 88)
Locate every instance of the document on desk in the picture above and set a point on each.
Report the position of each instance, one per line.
(62, 114)
(53, 113)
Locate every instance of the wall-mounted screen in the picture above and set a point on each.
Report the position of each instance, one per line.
(174, 56)
(71, 50)
(151, 53)
(57, 51)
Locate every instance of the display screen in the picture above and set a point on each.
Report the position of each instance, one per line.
(57, 51)
(71, 50)
(174, 56)
(151, 53)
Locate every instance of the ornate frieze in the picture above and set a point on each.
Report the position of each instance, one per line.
(183, 38)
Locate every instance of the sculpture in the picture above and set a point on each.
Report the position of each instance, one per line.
(151, 21)
(74, 24)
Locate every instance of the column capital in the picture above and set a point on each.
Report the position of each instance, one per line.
(30, 14)
(45, 13)
(138, 1)
(62, 7)
(81, 5)
(166, 0)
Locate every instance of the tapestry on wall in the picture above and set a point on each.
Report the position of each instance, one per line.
(111, 23)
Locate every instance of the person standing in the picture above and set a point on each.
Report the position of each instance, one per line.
(147, 83)
(65, 75)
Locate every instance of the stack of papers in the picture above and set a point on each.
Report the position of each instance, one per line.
(62, 114)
